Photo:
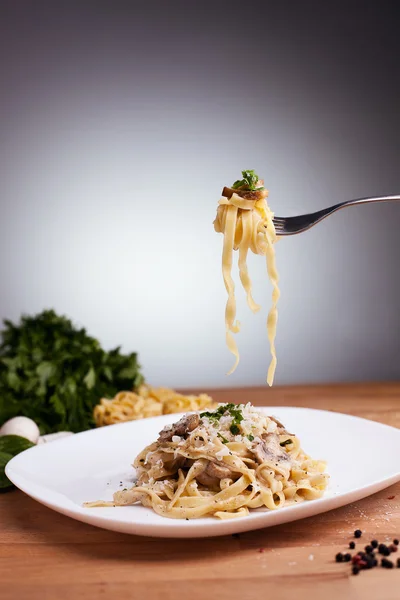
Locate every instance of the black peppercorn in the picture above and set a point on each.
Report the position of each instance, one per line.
(369, 563)
(374, 543)
(398, 563)
(352, 545)
(355, 570)
(396, 542)
(339, 557)
(357, 533)
(368, 549)
(384, 562)
(347, 557)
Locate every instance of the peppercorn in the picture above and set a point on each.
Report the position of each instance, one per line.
(357, 533)
(398, 563)
(370, 563)
(355, 570)
(339, 557)
(382, 548)
(374, 543)
(386, 564)
(393, 548)
(352, 545)
(368, 549)
(347, 557)
(396, 542)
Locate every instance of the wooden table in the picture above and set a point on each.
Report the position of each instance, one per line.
(47, 556)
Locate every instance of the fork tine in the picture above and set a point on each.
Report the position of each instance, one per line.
(279, 224)
(279, 230)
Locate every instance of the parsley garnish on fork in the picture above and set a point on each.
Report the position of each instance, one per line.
(249, 181)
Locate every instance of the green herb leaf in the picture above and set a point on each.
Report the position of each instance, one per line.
(58, 406)
(250, 437)
(10, 446)
(249, 181)
(90, 378)
(13, 381)
(108, 373)
(234, 429)
(4, 481)
(224, 440)
(14, 444)
(45, 370)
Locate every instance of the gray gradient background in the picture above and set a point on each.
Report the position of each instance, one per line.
(120, 123)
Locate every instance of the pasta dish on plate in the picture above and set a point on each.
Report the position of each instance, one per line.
(222, 463)
(245, 219)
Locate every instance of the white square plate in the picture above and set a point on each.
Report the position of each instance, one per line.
(363, 457)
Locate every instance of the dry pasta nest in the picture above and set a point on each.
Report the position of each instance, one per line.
(145, 402)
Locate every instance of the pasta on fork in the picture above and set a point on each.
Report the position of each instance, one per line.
(245, 219)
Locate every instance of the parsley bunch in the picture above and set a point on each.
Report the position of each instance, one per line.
(55, 373)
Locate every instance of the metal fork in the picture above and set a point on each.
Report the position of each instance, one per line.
(293, 225)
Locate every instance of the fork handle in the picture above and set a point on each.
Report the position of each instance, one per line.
(366, 200)
(321, 214)
(300, 223)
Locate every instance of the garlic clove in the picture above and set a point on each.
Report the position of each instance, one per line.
(22, 426)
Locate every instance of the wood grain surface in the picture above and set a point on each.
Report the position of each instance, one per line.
(46, 556)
